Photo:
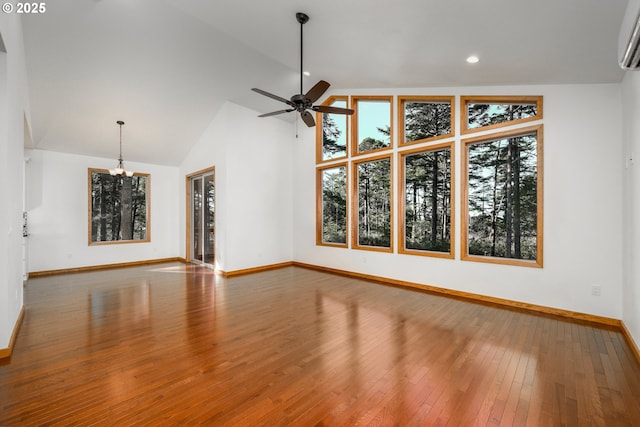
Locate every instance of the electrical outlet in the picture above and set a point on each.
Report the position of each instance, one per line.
(596, 290)
(628, 161)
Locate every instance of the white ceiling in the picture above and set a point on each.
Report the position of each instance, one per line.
(166, 66)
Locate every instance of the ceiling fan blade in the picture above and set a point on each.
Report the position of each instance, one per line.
(316, 91)
(273, 113)
(307, 118)
(332, 110)
(272, 96)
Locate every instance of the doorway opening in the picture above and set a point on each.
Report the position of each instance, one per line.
(201, 217)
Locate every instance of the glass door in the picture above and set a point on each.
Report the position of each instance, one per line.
(203, 219)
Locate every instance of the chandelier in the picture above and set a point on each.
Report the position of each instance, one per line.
(119, 170)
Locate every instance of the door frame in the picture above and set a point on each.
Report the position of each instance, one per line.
(206, 171)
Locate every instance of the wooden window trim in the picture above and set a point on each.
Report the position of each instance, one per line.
(319, 222)
(330, 100)
(354, 203)
(401, 202)
(90, 210)
(401, 127)
(538, 262)
(354, 123)
(465, 100)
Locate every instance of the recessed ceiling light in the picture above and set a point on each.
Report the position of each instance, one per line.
(473, 59)
(306, 73)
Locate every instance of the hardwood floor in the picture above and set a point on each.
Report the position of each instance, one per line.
(173, 344)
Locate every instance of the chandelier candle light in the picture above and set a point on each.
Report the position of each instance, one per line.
(119, 170)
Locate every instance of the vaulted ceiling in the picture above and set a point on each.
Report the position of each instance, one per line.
(165, 67)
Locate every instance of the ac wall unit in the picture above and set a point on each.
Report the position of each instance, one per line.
(629, 38)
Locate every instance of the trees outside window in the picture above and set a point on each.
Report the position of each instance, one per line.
(332, 131)
(118, 208)
(332, 206)
(372, 202)
(501, 219)
(426, 224)
(491, 112)
(503, 197)
(423, 119)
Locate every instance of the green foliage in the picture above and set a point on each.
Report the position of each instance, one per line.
(374, 203)
(369, 144)
(480, 115)
(502, 188)
(333, 140)
(426, 120)
(334, 205)
(427, 194)
(426, 244)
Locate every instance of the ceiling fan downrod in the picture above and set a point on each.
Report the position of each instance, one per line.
(302, 18)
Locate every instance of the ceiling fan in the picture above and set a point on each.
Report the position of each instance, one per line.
(300, 102)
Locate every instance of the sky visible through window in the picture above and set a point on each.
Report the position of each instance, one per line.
(371, 116)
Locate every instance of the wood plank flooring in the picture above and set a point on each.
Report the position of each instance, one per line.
(173, 344)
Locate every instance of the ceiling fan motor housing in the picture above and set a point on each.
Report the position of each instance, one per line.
(301, 102)
(302, 18)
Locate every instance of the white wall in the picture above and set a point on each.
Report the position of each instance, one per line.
(13, 109)
(631, 136)
(582, 210)
(57, 203)
(253, 160)
(207, 152)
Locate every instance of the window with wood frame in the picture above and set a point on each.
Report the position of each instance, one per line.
(332, 133)
(372, 204)
(502, 201)
(372, 120)
(426, 201)
(118, 208)
(425, 118)
(332, 206)
(501, 215)
(480, 113)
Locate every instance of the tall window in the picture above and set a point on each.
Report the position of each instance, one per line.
(503, 197)
(426, 224)
(372, 203)
(332, 205)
